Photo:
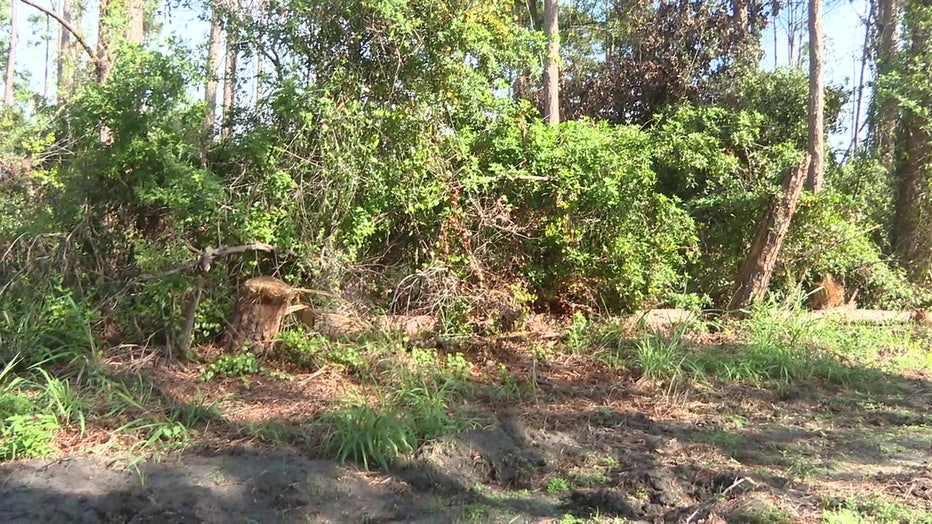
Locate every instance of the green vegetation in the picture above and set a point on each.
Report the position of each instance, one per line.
(391, 161)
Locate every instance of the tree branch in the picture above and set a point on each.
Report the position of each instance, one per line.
(64, 23)
(205, 258)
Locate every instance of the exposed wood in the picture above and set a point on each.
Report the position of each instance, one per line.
(816, 177)
(346, 327)
(104, 51)
(135, 27)
(552, 63)
(257, 318)
(755, 274)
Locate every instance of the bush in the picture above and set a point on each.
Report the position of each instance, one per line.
(594, 228)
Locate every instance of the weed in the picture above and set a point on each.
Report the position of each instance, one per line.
(307, 351)
(659, 358)
(576, 334)
(873, 508)
(367, 435)
(245, 363)
(509, 388)
(64, 400)
(557, 485)
(27, 435)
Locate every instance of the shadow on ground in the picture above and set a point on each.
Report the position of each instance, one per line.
(587, 442)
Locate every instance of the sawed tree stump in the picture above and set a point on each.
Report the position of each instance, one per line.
(260, 308)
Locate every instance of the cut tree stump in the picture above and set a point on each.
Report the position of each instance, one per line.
(260, 308)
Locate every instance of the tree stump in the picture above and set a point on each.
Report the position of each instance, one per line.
(260, 308)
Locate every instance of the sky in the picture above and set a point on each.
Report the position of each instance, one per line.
(844, 38)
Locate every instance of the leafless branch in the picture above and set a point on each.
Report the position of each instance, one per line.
(64, 23)
(708, 503)
(206, 257)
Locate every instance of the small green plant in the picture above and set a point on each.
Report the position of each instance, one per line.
(557, 485)
(873, 508)
(27, 435)
(659, 358)
(241, 365)
(367, 435)
(508, 388)
(305, 350)
(576, 334)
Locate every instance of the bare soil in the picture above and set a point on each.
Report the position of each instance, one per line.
(580, 440)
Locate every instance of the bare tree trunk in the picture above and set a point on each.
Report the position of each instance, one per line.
(136, 16)
(755, 274)
(65, 55)
(213, 60)
(48, 44)
(551, 64)
(816, 178)
(11, 56)
(229, 87)
(888, 16)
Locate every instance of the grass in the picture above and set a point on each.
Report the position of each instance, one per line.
(774, 348)
(872, 509)
(397, 397)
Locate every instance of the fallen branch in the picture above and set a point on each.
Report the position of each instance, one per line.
(705, 505)
(206, 257)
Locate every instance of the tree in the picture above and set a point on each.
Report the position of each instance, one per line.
(626, 61)
(213, 60)
(229, 85)
(885, 105)
(816, 178)
(65, 55)
(912, 233)
(230, 70)
(11, 56)
(552, 63)
(755, 274)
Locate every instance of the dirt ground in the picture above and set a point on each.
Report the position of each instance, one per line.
(582, 442)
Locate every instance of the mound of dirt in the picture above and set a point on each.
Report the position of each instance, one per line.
(502, 456)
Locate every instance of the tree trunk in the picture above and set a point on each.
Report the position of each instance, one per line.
(754, 277)
(11, 56)
(213, 60)
(229, 86)
(260, 308)
(886, 111)
(912, 231)
(551, 64)
(816, 178)
(104, 53)
(65, 56)
(136, 15)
